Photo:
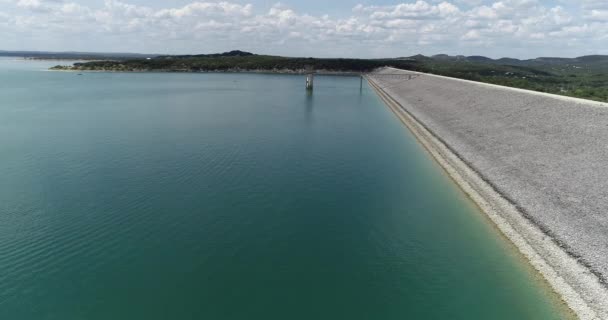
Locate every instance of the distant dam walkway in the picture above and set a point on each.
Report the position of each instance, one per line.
(544, 155)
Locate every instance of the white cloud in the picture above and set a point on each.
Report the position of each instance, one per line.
(471, 35)
(416, 10)
(204, 26)
(34, 5)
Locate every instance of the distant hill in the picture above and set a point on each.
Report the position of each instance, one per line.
(479, 59)
(508, 61)
(584, 61)
(443, 57)
(593, 59)
(233, 53)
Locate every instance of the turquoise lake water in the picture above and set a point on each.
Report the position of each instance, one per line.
(235, 196)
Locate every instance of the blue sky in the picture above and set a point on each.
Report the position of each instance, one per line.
(347, 28)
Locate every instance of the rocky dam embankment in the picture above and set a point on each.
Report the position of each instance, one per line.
(536, 163)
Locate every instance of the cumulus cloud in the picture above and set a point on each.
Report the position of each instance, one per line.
(34, 5)
(505, 26)
(417, 10)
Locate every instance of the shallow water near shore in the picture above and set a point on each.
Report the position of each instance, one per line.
(235, 196)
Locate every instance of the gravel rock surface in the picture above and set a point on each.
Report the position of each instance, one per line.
(547, 154)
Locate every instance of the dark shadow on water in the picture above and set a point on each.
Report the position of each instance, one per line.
(309, 103)
(361, 85)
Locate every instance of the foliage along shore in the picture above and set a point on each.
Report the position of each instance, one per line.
(584, 77)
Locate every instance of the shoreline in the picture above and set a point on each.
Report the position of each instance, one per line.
(579, 288)
(261, 71)
(319, 72)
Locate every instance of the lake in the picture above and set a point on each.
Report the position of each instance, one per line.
(235, 196)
